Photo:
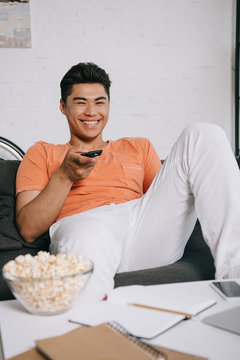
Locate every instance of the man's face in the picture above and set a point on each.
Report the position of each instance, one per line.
(87, 111)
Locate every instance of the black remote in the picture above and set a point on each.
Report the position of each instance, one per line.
(92, 153)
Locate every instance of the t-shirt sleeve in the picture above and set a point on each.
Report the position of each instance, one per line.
(32, 172)
(152, 165)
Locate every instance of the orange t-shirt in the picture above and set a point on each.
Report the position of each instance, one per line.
(124, 172)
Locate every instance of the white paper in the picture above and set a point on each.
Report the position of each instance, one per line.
(155, 295)
(139, 322)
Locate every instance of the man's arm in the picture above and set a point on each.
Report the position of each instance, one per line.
(36, 210)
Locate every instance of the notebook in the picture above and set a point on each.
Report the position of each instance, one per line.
(34, 354)
(140, 321)
(155, 295)
(31, 354)
(106, 341)
(227, 320)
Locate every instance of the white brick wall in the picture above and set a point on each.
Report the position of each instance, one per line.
(170, 62)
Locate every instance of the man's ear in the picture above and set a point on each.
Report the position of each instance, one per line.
(62, 107)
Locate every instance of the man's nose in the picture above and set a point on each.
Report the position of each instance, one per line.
(90, 110)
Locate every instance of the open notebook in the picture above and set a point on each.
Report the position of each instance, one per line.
(140, 321)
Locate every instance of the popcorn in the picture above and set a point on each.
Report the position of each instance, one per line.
(47, 283)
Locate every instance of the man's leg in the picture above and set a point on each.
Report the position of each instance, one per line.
(97, 234)
(200, 176)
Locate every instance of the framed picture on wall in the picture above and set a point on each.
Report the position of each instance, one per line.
(15, 31)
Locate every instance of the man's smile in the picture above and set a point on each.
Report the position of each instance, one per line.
(90, 123)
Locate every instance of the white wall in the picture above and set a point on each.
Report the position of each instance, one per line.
(170, 62)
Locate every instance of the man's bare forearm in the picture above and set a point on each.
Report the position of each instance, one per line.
(35, 218)
(37, 211)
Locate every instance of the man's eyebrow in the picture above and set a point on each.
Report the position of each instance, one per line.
(79, 98)
(85, 99)
(101, 98)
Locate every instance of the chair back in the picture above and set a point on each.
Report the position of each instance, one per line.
(9, 150)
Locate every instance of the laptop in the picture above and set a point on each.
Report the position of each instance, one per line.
(228, 320)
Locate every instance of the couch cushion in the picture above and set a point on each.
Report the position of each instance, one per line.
(9, 236)
(5, 256)
(196, 264)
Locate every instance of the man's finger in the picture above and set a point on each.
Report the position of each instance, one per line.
(85, 161)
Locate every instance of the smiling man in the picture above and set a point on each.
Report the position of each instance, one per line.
(122, 209)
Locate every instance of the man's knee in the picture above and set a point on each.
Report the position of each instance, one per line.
(208, 130)
(206, 135)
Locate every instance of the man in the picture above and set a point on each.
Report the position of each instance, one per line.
(121, 209)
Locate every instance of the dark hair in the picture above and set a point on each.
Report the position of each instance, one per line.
(84, 73)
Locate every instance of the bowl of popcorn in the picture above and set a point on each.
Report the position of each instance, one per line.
(47, 284)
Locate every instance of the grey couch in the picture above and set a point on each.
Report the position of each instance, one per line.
(196, 263)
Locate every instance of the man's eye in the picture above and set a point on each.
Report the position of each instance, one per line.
(81, 103)
(100, 102)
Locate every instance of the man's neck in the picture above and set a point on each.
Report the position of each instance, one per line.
(88, 145)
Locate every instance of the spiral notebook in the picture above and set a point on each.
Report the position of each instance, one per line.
(105, 341)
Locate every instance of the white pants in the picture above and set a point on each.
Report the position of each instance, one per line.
(199, 179)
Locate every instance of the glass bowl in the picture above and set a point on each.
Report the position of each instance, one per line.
(48, 295)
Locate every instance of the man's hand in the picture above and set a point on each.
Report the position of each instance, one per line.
(75, 166)
(36, 211)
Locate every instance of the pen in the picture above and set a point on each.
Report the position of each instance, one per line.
(187, 315)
